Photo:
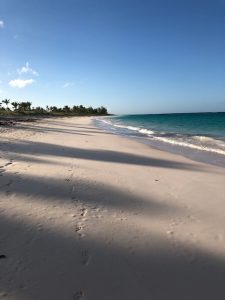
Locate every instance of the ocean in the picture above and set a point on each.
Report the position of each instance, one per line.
(200, 136)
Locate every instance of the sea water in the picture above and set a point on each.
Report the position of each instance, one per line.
(200, 136)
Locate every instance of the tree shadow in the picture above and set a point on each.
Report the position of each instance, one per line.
(43, 129)
(67, 190)
(47, 262)
(76, 125)
(62, 128)
(28, 159)
(46, 257)
(109, 156)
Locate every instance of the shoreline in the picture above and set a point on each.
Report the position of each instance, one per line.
(86, 214)
(195, 154)
(208, 158)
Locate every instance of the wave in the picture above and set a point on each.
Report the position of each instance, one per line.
(133, 128)
(196, 142)
(104, 121)
(191, 145)
(203, 138)
(138, 129)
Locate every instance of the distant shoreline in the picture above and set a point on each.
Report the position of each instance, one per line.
(11, 119)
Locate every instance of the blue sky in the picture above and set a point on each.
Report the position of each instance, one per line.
(131, 56)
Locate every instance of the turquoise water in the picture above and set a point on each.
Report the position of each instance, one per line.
(200, 133)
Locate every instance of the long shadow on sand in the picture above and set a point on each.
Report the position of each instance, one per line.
(40, 148)
(45, 129)
(47, 189)
(54, 264)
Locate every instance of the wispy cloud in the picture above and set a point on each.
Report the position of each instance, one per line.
(27, 70)
(20, 83)
(2, 24)
(68, 84)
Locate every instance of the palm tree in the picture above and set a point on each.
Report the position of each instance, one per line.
(15, 105)
(66, 109)
(6, 101)
(102, 110)
(29, 105)
(90, 110)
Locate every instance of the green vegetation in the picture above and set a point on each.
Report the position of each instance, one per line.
(8, 108)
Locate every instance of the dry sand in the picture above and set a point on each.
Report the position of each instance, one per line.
(85, 214)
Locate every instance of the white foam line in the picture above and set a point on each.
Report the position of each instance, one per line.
(170, 141)
(189, 145)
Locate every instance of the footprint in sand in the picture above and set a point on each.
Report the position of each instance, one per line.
(1, 172)
(179, 247)
(83, 212)
(2, 167)
(85, 257)
(78, 230)
(172, 229)
(78, 295)
(9, 183)
(3, 294)
(9, 193)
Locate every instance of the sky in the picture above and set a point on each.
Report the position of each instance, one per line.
(132, 56)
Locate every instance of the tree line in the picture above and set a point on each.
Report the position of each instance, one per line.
(26, 108)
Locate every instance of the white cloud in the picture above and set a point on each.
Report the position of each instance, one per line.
(2, 24)
(20, 83)
(68, 84)
(27, 70)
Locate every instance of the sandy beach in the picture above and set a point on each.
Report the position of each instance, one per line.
(85, 214)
